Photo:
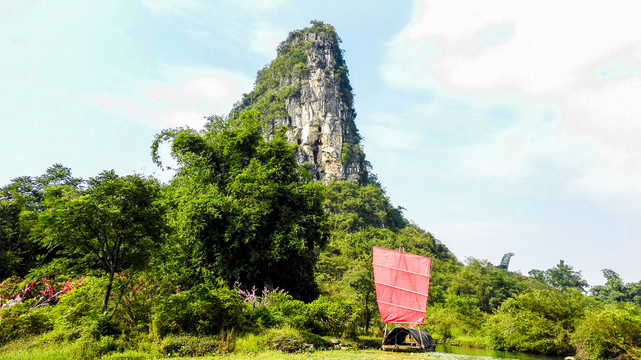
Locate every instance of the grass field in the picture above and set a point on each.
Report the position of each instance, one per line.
(345, 354)
(246, 347)
(63, 354)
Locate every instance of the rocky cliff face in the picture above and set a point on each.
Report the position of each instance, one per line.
(306, 90)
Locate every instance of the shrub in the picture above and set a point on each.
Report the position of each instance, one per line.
(538, 321)
(37, 293)
(325, 316)
(205, 309)
(287, 310)
(611, 331)
(528, 332)
(89, 348)
(441, 324)
(287, 339)
(30, 310)
(272, 308)
(457, 321)
(187, 345)
(79, 312)
(9, 288)
(17, 322)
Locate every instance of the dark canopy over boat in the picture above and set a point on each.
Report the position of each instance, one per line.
(402, 339)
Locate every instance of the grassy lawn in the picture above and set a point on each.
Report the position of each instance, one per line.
(60, 354)
(346, 354)
(34, 348)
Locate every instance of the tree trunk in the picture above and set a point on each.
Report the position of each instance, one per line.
(108, 293)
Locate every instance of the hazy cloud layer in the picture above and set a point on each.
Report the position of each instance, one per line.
(184, 99)
(541, 61)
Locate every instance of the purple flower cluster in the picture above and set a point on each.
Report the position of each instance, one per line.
(250, 297)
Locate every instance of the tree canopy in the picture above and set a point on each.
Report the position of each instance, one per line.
(244, 208)
(18, 252)
(562, 277)
(114, 225)
(615, 290)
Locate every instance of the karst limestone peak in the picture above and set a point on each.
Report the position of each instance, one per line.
(306, 90)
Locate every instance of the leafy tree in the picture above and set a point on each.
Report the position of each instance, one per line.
(14, 246)
(612, 331)
(357, 207)
(562, 277)
(114, 225)
(361, 279)
(538, 321)
(615, 290)
(487, 284)
(29, 191)
(18, 253)
(244, 209)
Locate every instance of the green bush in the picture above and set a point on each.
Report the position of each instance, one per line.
(280, 309)
(89, 348)
(325, 316)
(135, 298)
(287, 339)
(78, 313)
(528, 332)
(186, 345)
(610, 331)
(205, 309)
(538, 321)
(17, 322)
(441, 324)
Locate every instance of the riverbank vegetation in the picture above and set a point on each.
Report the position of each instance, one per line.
(240, 252)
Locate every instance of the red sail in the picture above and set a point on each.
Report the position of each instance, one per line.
(402, 285)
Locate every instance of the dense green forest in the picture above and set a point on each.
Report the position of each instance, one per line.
(242, 252)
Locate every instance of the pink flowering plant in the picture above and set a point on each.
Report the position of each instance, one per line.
(45, 292)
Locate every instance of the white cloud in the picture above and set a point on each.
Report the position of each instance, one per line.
(185, 98)
(171, 6)
(540, 51)
(580, 60)
(265, 39)
(260, 6)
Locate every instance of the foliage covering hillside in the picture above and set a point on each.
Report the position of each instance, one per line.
(279, 80)
(242, 252)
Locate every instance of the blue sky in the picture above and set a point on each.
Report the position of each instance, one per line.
(499, 126)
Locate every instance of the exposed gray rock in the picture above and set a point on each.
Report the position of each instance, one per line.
(318, 115)
(320, 120)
